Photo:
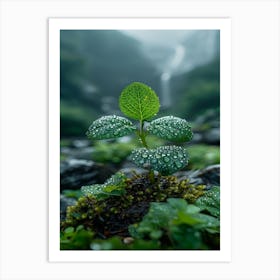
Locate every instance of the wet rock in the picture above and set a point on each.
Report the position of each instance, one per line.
(212, 136)
(80, 143)
(197, 138)
(209, 176)
(206, 128)
(130, 172)
(209, 137)
(129, 169)
(74, 173)
(77, 153)
(77, 149)
(210, 117)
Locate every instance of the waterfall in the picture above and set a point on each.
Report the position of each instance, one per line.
(171, 67)
(165, 90)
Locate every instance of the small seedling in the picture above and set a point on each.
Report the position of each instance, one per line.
(139, 102)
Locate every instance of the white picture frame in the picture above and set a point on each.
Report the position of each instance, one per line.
(24, 152)
(55, 26)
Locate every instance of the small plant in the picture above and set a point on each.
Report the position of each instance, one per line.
(139, 102)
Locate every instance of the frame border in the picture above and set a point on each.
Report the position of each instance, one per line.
(57, 24)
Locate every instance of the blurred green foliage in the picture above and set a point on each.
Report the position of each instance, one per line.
(198, 90)
(75, 239)
(203, 155)
(74, 119)
(176, 224)
(114, 152)
(153, 141)
(72, 193)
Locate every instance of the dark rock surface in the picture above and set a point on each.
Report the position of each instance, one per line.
(74, 173)
(209, 176)
(77, 153)
(207, 129)
(210, 137)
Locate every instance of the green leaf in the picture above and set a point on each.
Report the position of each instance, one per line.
(113, 243)
(108, 127)
(165, 159)
(113, 186)
(208, 222)
(185, 218)
(102, 192)
(210, 201)
(95, 190)
(139, 102)
(177, 223)
(171, 128)
(79, 239)
(186, 213)
(69, 230)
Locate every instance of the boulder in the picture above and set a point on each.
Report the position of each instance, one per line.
(75, 173)
(209, 176)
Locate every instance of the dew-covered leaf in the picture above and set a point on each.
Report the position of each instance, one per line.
(208, 222)
(171, 128)
(165, 159)
(117, 179)
(95, 190)
(101, 191)
(210, 201)
(138, 101)
(108, 127)
(115, 185)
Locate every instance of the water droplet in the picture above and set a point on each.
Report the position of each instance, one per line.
(178, 164)
(166, 159)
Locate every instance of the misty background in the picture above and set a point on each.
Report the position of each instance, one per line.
(183, 68)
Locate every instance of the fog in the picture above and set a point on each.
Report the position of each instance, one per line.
(182, 66)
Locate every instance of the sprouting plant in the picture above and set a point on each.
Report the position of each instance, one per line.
(139, 102)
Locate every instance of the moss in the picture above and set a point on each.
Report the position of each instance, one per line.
(113, 215)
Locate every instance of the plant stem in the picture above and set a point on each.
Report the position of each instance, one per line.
(151, 176)
(144, 143)
(142, 135)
